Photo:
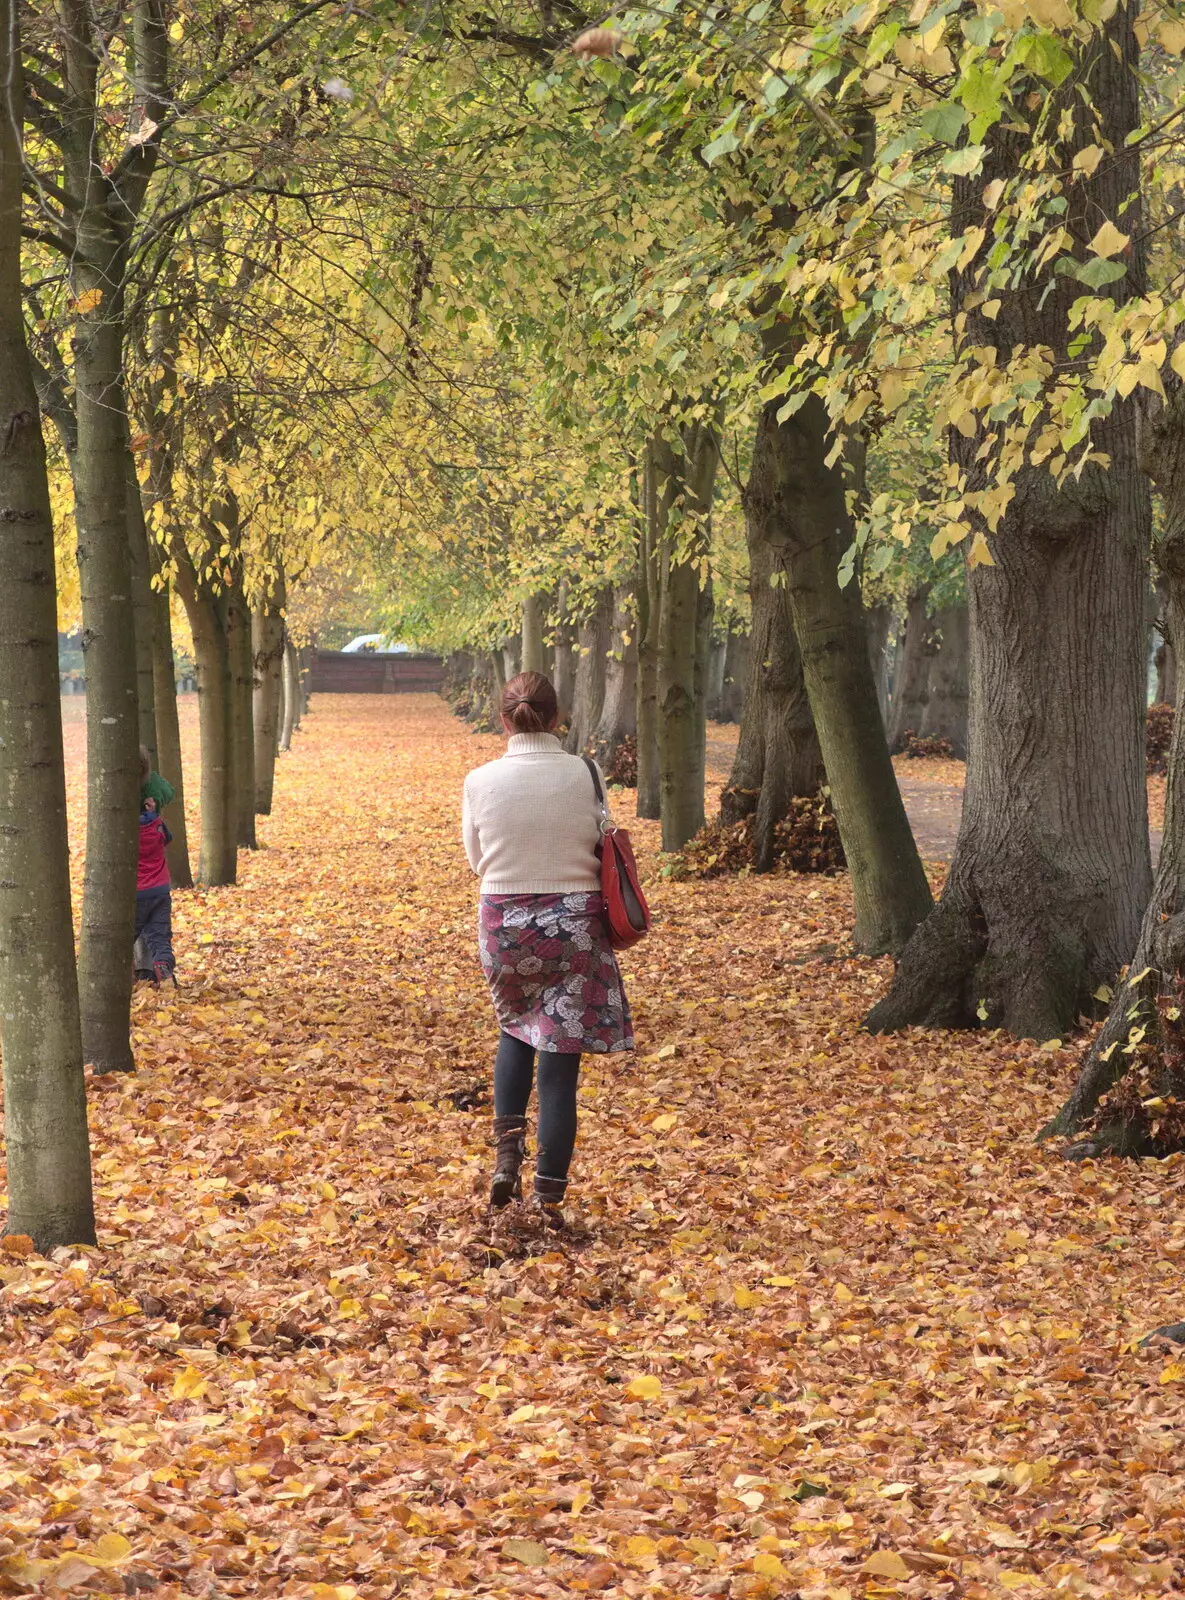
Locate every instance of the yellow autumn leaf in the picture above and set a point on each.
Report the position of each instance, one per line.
(980, 554)
(744, 1297)
(1171, 35)
(665, 1122)
(885, 1564)
(525, 1551)
(842, 1293)
(1108, 241)
(645, 1387)
(111, 1549)
(767, 1565)
(1173, 1372)
(189, 1385)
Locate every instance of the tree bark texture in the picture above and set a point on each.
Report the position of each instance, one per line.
(649, 594)
(534, 655)
(45, 1128)
(778, 755)
(619, 706)
(686, 484)
(1051, 869)
(948, 688)
(803, 503)
(880, 620)
(717, 651)
(267, 648)
(592, 643)
(1159, 960)
(1166, 674)
(168, 737)
(913, 675)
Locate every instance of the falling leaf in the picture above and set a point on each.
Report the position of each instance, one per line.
(88, 300)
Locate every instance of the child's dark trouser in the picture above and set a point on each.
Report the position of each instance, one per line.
(514, 1069)
(154, 925)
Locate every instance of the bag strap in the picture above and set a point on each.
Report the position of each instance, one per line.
(596, 778)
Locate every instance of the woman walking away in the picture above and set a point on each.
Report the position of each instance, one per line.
(531, 824)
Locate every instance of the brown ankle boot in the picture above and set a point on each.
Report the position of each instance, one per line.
(507, 1184)
(548, 1198)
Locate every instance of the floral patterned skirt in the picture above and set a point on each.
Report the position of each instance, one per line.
(553, 977)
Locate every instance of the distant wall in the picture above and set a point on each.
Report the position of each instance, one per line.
(373, 672)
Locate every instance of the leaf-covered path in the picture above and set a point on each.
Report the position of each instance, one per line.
(836, 1329)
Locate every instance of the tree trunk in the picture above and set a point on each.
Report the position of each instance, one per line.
(804, 503)
(210, 624)
(717, 651)
(649, 598)
(564, 656)
(619, 707)
(242, 669)
(913, 680)
(1051, 869)
(291, 697)
(168, 737)
(144, 610)
(1166, 674)
(591, 647)
(534, 656)
(880, 619)
(736, 668)
(778, 754)
(267, 648)
(112, 720)
(45, 1131)
(1134, 1028)
(945, 716)
(686, 485)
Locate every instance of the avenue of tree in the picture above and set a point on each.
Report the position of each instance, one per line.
(817, 368)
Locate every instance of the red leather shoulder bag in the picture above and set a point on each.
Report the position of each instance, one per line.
(627, 916)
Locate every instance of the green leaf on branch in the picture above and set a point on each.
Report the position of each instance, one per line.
(944, 122)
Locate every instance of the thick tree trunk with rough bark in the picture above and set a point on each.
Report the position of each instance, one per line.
(913, 674)
(949, 688)
(1051, 869)
(686, 484)
(803, 502)
(880, 620)
(778, 754)
(45, 1131)
(1158, 965)
(592, 644)
(267, 648)
(168, 737)
(619, 707)
(649, 597)
(717, 650)
(534, 654)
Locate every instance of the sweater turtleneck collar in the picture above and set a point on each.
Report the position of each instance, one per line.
(532, 744)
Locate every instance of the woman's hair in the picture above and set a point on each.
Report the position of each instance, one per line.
(145, 764)
(529, 703)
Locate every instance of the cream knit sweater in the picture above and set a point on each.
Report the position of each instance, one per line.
(531, 822)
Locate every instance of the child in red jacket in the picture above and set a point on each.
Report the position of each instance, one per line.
(154, 902)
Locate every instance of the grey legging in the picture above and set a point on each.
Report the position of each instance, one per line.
(514, 1071)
